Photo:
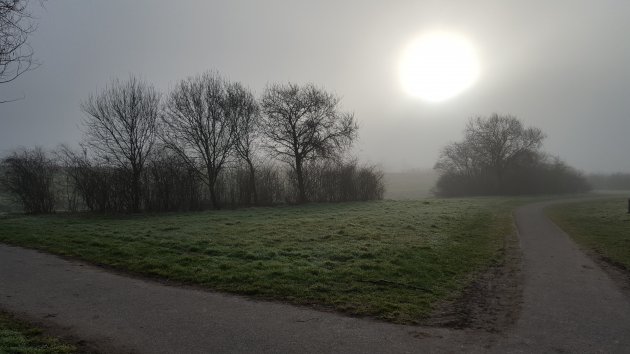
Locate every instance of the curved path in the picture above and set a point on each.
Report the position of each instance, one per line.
(114, 313)
(570, 305)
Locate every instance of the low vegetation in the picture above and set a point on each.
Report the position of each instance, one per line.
(394, 260)
(18, 337)
(602, 226)
(500, 156)
(208, 143)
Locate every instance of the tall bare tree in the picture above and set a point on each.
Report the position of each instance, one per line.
(303, 123)
(199, 125)
(491, 145)
(497, 141)
(121, 127)
(246, 113)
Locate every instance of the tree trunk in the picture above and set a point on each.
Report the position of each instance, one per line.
(135, 191)
(252, 181)
(300, 179)
(214, 199)
(213, 193)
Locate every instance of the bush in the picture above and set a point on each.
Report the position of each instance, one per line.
(28, 176)
(542, 175)
(499, 155)
(170, 184)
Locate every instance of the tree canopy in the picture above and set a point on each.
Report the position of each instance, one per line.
(499, 155)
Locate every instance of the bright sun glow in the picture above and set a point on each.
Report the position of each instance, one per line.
(438, 66)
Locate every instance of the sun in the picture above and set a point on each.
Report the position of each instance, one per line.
(438, 66)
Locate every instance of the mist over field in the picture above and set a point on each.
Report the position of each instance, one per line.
(559, 66)
(314, 176)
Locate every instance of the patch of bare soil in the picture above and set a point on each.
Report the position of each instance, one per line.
(492, 302)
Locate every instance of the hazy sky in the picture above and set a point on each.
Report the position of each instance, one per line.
(563, 66)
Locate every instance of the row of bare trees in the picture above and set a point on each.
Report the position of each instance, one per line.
(500, 156)
(210, 142)
(42, 182)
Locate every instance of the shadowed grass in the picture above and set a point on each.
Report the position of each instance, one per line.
(392, 260)
(19, 337)
(599, 225)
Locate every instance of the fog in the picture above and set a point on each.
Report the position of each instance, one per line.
(560, 66)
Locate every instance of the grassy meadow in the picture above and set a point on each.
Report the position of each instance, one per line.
(599, 225)
(19, 337)
(393, 260)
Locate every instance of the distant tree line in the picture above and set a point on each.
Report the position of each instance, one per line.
(612, 181)
(499, 156)
(208, 143)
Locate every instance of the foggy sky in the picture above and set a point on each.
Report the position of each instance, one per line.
(561, 66)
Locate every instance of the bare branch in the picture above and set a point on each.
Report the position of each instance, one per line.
(200, 124)
(16, 25)
(121, 127)
(303, 123)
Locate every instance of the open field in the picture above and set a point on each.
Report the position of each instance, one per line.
(599, 225)
(394, 260)
(412, 184)
(18, 337)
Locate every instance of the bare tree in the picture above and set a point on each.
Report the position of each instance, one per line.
(16, 25)
(500, 156)
(303, 123)
(28, 176)
(121, 127)
(199, 125)
(497, 141)
(458, 158)
(247, 119)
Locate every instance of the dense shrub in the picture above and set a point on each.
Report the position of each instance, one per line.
(543, 177)
(74, 182)
(171, 185)
(340, 182)
(499, 156)
(28, 175)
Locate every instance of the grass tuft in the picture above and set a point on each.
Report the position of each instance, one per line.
(18, 337)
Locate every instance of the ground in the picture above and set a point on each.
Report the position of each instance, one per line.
(568, 304)
(602, 226)
(393, 260)
(17, 336)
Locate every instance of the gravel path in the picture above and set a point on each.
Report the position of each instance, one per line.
(570, 305)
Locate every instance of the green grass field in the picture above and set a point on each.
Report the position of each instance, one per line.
(393, 260)
(599, 225)
(19, 337)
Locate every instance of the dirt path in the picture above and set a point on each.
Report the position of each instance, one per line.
(114, 313)
(570, 305)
